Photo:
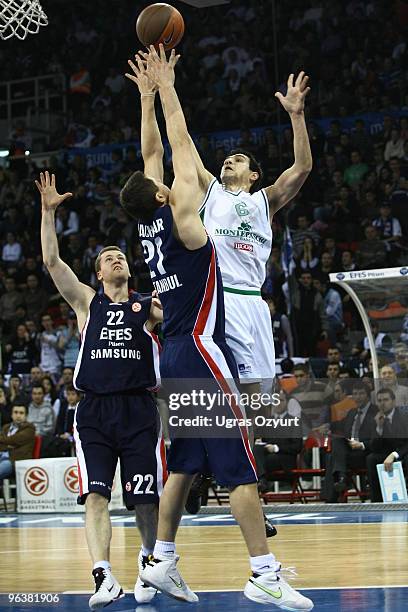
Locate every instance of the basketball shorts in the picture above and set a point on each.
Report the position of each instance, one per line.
(229, 459)
(127, 428)
(248, 332)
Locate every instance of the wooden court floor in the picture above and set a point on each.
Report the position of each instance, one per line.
(55, 559)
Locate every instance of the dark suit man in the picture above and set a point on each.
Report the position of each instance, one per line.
(391, 441)
(280, 449)
(351, 448)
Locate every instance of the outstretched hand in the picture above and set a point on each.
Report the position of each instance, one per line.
(161, 69)
(141, 75)
(294, 101)
(50, 198)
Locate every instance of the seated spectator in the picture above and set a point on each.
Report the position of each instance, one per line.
(280, 451)
(312, 396)
(9, 302)
(353, 175)
(390, 232)
(16, 441)
(50, 392)
(325, 268)
(390, 441)
(389, 380)
(282, 333)
(394, 147)
(287, 380)
(21, 353)
(350, 446)
(400, 365)
(36, 376)
(347, 261)
(35, 298)
(50, 360)
(40, 413)
(381, 341)
(60, 443)
(302, 231)
(372, 252)
(69, 342)
(308, 259)
(12, 251)
(5, 409)
(16, 389)
(64, 382)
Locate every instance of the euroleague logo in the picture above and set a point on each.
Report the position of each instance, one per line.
(71, 479)
(136, 307)
(36, 481)
(340, 276)
(404, 271)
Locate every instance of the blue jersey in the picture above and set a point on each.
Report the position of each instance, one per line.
(118, 354)
(188, 281)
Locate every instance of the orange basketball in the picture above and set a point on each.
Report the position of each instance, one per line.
(160, 23)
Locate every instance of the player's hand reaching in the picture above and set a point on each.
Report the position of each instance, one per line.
(141, 76)
(50, 198)
(294, 101)
(161, 69)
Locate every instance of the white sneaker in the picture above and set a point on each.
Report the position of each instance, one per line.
(107, 589)
(143, 593)
(164, 576)
(271, 588)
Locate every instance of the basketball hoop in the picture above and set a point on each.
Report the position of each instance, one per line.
(21, 17)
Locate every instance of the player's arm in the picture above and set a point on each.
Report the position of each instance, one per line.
(156, 314)
(152, 147)
(289, 183)
(204, 176)
(187, 192)
(77, 294)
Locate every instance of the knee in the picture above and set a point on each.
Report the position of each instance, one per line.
(96, 502)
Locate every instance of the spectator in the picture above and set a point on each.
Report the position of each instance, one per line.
(302, 231)
(390, 232)
(312, 396)
(351, 448)
(394, 146)
(16, 441)
(389, 380)
(372, 253)
(64, 427)
(282, 333)
(353, 175)
(21, 353)
(12, 251)
(17, 390)
(40, 413)
(69, 342)
(308, 314)
(381, 341)
(280, 451)
(9, 302)
(287, 380)
(333, 309)
(390, 441)
(400, 365)
(35, 298)
(36, 376)
(115, 81)
(308, 259)
(5, 409)
(347, 261)
(50, 360)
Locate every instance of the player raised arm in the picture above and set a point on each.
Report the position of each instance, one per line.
(290, 181)
(152, 147)
(77, 294)
(204, 176)
(187, 192)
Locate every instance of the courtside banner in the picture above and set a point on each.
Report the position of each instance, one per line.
(364, 275)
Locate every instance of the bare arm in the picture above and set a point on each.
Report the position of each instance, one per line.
(289, 183)
(187, 193)
(152, 147)
(77, 294)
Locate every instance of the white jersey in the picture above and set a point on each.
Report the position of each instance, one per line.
(240, 227)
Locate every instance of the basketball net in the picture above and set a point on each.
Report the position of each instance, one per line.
(21, 17)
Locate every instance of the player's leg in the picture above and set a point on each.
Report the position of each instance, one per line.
(96, 468)
(143, 473)
(186, 458)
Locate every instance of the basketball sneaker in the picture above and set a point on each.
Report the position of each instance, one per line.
(107, 589)
(270, 588)
(163, 575)
(143, 592)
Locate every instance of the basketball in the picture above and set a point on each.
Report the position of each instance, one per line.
(160, 23)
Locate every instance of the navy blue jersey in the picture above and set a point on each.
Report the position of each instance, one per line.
(188, 282)
(118, 354)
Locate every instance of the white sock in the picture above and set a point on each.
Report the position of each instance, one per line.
(264, 564)
(102, 564)
(146, 551)
(164, 550)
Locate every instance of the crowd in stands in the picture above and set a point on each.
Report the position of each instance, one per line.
(351, 213)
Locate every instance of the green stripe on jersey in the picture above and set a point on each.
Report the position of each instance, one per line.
(242, 291)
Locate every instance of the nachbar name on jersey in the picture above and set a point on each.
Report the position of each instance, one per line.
(116, 353)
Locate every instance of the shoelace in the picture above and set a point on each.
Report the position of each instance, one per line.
(287, 573)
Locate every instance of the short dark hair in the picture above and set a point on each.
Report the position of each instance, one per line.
(254, 166)
(389, 392)
(18, 404)
(107, 248)
(138, 196)
(287, 366)
(360, 385)
(302, 366)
